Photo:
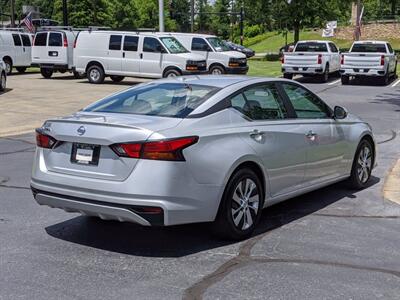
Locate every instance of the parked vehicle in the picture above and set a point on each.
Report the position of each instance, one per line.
(198, 149)
(246, 51)
(3, 76)
(15, 49)
(53, 49)
(220, 58)
(311, 58)
(139, 54)
(369, 59)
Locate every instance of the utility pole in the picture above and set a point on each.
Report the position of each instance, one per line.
(241, 24)
(191, 15)
(161, 15)
(65, 12)
(12, 13)
(358, 22)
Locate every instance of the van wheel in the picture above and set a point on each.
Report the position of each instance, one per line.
(241, 206)
(117, 78)
(21, 70)
(3, 81)
(95, 74)
(288, 76)
(345, 79)
(46, 72)
(362, 166)
(172, 73)
(9, 66)
(217, 70)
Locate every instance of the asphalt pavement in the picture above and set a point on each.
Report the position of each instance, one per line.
(329, 244)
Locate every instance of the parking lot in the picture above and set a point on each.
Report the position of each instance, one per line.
(333, 243)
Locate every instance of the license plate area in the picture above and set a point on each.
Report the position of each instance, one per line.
(85, 154)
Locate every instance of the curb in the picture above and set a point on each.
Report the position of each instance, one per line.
(391, 188)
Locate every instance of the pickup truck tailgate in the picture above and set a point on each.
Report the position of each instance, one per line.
(301, 59)
(362, 59)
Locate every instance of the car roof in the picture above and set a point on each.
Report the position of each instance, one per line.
(313, 41)
(219, 81)
(187, 34)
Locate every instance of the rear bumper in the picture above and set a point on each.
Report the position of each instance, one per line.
(237, 70)
(302, 70)
(363, 71)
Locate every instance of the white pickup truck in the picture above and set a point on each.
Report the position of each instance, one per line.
(369, 58)
(311, 58)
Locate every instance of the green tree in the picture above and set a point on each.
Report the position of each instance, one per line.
(221, 20)
(179, 11)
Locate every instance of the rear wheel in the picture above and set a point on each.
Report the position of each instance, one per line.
(345, 79)
(362, 166)
(46, 72)
(217, 70)
(95, 74)
(172, 73)
(9, 65)
(117, 78)
(385, 79)
(325, 77)
(3, 81)
(288, 76)
(241, 206)
(21, 70)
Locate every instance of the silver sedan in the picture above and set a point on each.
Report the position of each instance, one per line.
(199, 149)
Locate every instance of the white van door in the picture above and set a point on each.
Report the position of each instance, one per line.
(130, 55)
(57, 48)
(201, 47)
(19, 52)
(27, 50)
(151, 62)
(114, 60)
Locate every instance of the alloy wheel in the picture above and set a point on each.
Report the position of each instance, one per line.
(364, 163)
(216, 71)
(245, 204)
(94, 75)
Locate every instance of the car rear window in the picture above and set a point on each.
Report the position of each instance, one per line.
(55, 39)
(369, 48)
(311, 47)
(26, 41)
(40, 39)
(175, 100)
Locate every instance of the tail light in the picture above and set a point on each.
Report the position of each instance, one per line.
(44, 140)
(382, 60)
(283, 59)
(157, 150)
(65, 40)
(319, 59)
(342, 60)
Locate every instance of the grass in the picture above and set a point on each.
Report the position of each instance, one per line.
(264, 68)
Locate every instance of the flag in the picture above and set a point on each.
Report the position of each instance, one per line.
(28, 22)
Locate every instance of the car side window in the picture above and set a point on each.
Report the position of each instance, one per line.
(333, 48)
(199, 44)
(131, 43)
(55, 39)
(115, 42)
(260, 103)
(305, 104)
(17, 40)
(40, 39)
(26, 41)
(152, 45)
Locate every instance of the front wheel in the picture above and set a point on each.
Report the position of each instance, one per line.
(362, 166)
(46, 72)
(241, 206)
(171, 73)
(9, 66)
(217, 70)
(3, 81)
(95, 74)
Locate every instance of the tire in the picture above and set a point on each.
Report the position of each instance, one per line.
(95, 74)
(46, 72)
(21, 70)
(395, 72)
(325, 77)
(117, 78)
(217, 70)
(288, 76)
(171, 73)
(385, 79)
(3, 81)
(345, 79)
(9, 66)
(362, 166)
(231, 222)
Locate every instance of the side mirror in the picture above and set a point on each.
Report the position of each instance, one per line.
(160, 49)
(339, 113)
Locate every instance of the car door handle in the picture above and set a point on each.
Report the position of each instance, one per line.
(141, 55)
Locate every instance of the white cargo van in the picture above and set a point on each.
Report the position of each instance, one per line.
(53, 49)
(138, 54)
(220, 58)
(15, 49)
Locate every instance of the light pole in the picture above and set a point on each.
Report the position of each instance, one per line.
(12, 4)
(161, 15)
(65, 12)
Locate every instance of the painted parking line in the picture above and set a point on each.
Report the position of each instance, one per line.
(334, 82)
(396, 83)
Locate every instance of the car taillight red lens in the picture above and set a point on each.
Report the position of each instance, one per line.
(319, 59)
(342, 60)
(382, 60)
(283, 59)
(157, 150)
(45, 141)
(65, 40)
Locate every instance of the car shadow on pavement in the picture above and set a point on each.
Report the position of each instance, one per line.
(179, 241)
(388, 98)
(370, 81)
(316, 80)
(7, 90)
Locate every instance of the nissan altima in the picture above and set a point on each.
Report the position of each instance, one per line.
(198, 149)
